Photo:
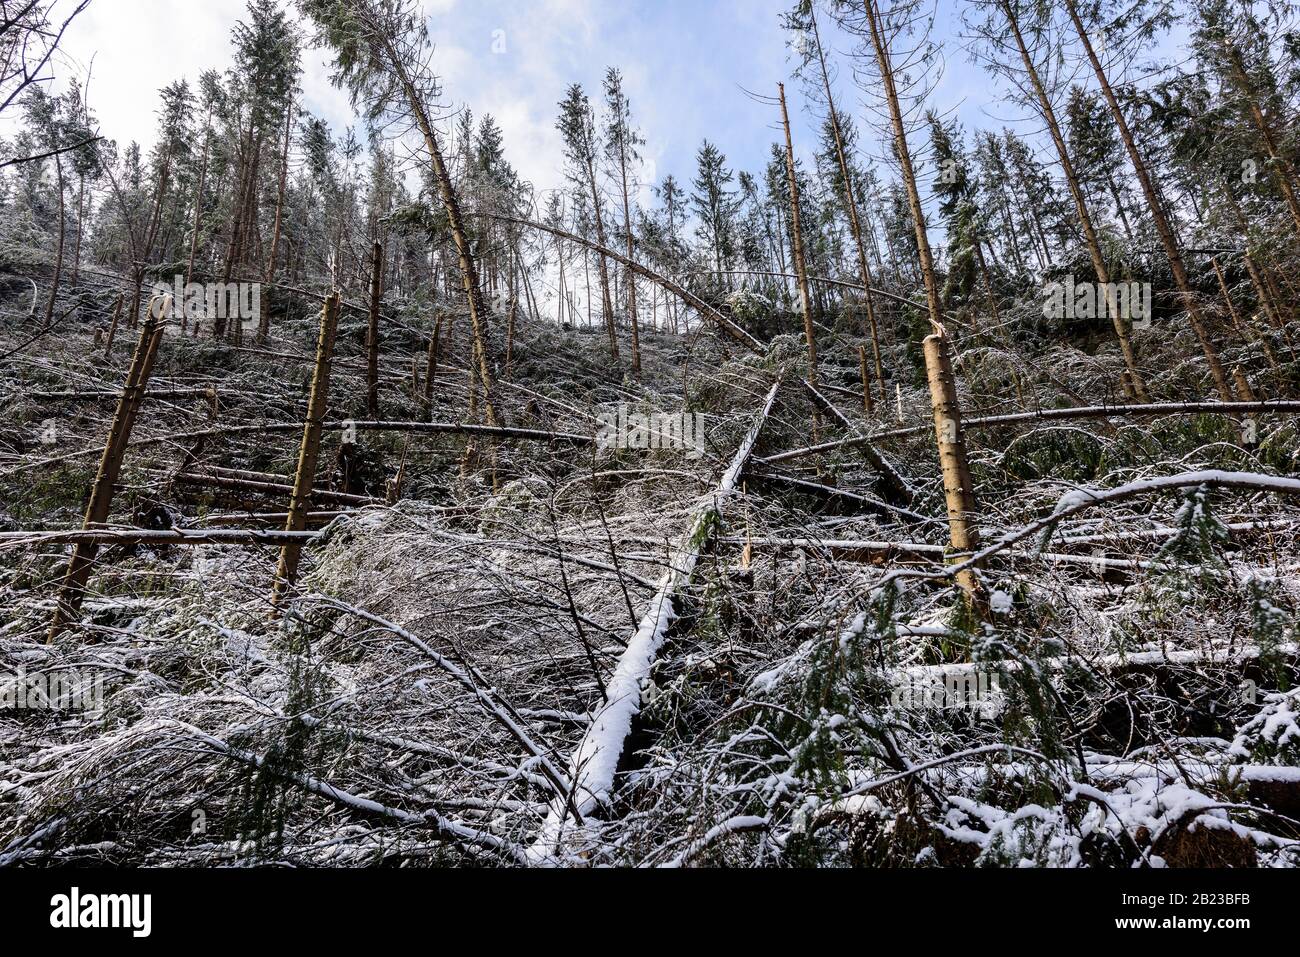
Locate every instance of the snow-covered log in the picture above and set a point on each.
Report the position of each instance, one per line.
(596, 761)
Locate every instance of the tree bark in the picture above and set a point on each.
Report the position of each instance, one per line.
(73, 591)
(959, 490)
(1167, 237)
(286, 574)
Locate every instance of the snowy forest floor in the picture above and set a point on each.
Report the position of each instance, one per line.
(814, 694)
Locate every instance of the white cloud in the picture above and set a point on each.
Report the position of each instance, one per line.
(511, 59)
(132, 48)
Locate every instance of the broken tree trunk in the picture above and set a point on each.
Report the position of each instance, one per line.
(868, 406)
(959, 490)
(431, 367)
(112, 328)
(595, 763)
(287, 572)
(110, 466)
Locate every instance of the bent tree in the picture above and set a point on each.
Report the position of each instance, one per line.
(382, 56)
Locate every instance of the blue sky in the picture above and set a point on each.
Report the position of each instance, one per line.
(685, 64)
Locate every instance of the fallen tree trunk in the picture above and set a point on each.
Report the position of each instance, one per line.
(817, 488)
(1051, 415)
(102, 537)
(104, 395)
(688, 297)
(596, 761)
(443, 828)
(272, 488)
(1081, 500)
(893, 484)
(881, 553)
(1110, 664)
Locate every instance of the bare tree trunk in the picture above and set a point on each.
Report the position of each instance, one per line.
(1136, 382)
(868, 406)
(431, 367)
(137, 272)
(1244, 391)
(958, 486)
(286, 574)
(800, 266)
(1157, 213)
(110, 466)
(112, 328)
(631, 276)
(851, 204)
